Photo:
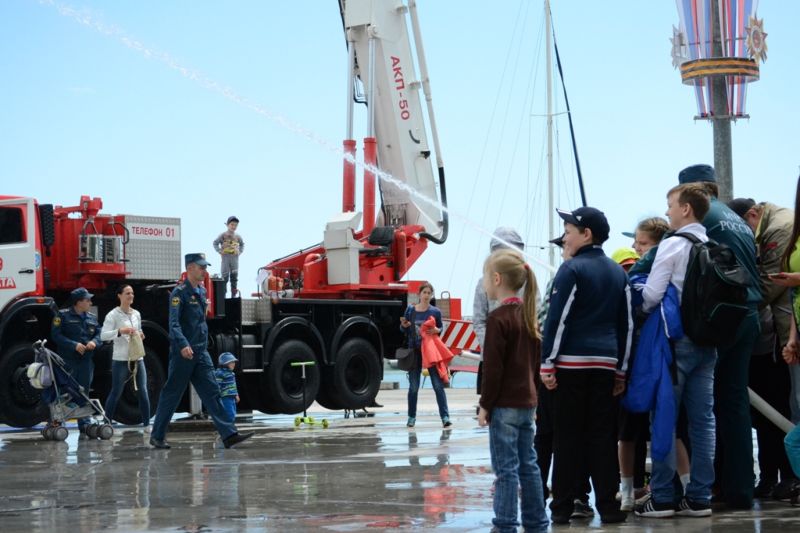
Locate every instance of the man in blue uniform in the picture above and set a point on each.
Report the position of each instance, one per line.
(76, 334)
(735, 476)
(189, 359)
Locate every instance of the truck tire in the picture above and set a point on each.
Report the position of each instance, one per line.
(325, 396)
(356, 375)
(128, 405)
(281, 382)
(251, 391)
(20, 404)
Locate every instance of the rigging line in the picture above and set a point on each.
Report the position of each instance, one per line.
(537, 201)
(486, 139)
(533, 76)
(569, 114)
(488, 202)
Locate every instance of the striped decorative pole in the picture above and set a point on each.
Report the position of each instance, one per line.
(718, 48)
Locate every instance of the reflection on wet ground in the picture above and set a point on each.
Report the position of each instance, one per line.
(365, 474)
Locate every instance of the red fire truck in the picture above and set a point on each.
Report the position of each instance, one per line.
(337, 303)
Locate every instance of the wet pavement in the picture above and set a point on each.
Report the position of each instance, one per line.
(359, 474)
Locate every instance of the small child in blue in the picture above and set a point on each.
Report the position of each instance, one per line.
(226, 380)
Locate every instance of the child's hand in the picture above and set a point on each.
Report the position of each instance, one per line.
(619, 386)
(549, 381)
(483, 417)
(789, 353)
(237, 398)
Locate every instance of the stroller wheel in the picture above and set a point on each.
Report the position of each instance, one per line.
(47, 433)
(60, 433)
(105, 432)
(91, 431)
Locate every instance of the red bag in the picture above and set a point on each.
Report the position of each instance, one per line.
(434, 351)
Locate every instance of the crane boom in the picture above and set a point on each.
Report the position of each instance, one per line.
(396, 115)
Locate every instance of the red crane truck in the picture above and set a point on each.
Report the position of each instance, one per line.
(337, 303)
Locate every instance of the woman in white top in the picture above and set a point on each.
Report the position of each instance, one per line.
(120, 323)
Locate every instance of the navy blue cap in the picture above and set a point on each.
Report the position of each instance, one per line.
(232, 219)
(80, 294)
(558, 241)
(588, 217)
(696, 173)
(629, 234)
(199, 259)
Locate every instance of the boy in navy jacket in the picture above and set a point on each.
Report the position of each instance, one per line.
(585, 350)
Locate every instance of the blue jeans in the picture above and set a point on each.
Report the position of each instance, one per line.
(514, 464)
(792, 444)
(695, 389)
(120, 373)
(229, 403)
(413, 388)
(200, 371)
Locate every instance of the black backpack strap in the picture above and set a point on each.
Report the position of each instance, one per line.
(688, 236)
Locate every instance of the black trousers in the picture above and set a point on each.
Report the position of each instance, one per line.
(769, 378)
(585, 438)
(733, 460)
(543, 443)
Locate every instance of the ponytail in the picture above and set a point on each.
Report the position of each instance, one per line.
(516, 273)
(529, 303)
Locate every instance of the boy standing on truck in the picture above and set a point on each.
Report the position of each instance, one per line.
(230, 246)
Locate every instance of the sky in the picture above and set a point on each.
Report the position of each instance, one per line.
(202, 110)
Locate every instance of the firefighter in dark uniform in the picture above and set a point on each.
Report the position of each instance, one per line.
(189, 360)
(76, 333)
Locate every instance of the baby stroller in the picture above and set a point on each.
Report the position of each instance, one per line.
(65, 397)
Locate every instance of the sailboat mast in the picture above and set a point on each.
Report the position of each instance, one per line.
(550, 200)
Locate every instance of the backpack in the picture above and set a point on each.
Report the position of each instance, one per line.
(714, 293)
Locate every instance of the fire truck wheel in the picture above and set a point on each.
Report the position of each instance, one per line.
(356, 375)
(283, 383)
(326, 395)
(250, 391)
(128, 407)
(20, 404)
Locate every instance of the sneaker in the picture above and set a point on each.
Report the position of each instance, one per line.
(446, 422)
(641, 500)
(411, 422)
(688, 507)
(764, 489)
(581, 509)
(627, 503)
(652, 509)
(560, 519)
(237, 438)
(160, 444)
(783, 490)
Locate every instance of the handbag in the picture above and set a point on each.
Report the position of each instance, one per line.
(405, 358)
(135, 345)
(405, 355)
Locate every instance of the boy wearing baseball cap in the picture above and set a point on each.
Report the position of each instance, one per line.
(585, 349)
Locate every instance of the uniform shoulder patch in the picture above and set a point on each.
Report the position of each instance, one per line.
(176, 301)
(56, 320)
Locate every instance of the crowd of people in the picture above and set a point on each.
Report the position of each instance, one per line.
(611, 329)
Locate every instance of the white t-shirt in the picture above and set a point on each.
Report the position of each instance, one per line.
(670, 264)
(115, 320)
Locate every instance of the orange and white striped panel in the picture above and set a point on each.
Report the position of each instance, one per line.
(458, 335)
